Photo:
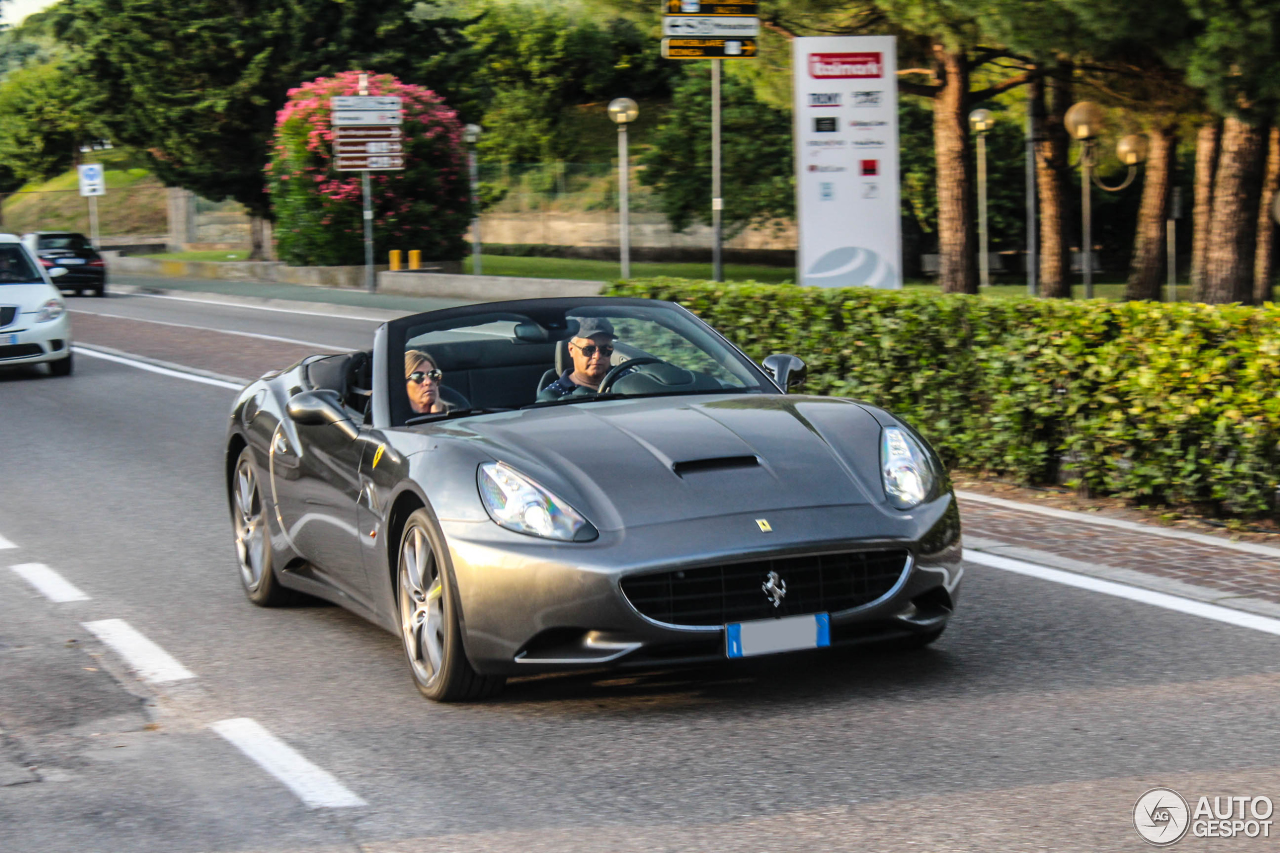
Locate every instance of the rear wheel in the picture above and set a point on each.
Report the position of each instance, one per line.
(101, 291)
(429, 622)
(62, 367)
(253, 539)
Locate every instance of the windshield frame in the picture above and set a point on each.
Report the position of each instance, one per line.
(36, 271)
(397, 333)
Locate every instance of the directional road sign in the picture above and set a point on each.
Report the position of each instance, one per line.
(369, 162)
(708, 48)
(716, 7)
(689, 25)
(368, 148)
(93, 181)
(365, 102)
(357, 118)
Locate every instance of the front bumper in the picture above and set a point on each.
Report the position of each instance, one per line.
(532, 606)
(27, 342)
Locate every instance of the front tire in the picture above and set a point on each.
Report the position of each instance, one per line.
(253, 537)
(63, 366)
(429, 622)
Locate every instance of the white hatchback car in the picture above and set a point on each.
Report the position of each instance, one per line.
(34, 327)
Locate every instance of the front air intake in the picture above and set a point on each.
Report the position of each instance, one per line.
(717, 595)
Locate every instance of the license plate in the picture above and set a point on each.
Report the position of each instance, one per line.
(766, 636)
(69, 261)
(8, 340)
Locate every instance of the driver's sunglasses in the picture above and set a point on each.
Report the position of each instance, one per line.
(419, 375)
(590, 349)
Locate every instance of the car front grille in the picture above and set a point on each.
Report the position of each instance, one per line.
(717, 595)
(20, 351)
(8, 313)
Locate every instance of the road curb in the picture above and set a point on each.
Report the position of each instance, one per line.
(1128, 577)
(330, 309)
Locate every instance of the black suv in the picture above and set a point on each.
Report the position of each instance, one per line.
(86, 271)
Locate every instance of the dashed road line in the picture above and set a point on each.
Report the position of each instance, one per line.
(149, 660)
(1204, 610)
(49, 583)
(317, 788)
(6, 544)
(151, 368)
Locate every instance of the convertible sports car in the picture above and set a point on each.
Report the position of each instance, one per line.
(553, 484)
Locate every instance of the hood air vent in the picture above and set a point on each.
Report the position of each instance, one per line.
(718, 463)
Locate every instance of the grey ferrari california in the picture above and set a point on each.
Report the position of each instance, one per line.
(552, 484)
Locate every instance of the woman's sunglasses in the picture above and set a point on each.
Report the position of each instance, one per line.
(419, 375)
(590, 349)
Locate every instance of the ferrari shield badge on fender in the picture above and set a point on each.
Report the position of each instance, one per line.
(377, 457)
(763, 524)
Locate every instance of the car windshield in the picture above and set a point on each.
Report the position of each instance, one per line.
(75, 242)
(16, 267)
(556, 353)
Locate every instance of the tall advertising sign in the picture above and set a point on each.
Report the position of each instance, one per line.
(846, 112)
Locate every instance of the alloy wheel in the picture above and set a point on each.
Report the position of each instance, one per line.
(250, 526)
(421, 594)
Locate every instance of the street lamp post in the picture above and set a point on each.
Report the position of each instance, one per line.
(623, 111)
(471, 133)
(981, 121)
(1084, 123)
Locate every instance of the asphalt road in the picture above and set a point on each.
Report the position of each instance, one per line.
(1034, 723)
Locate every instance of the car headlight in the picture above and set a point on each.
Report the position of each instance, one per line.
(51, 310)
(906, 468)
(517, 503)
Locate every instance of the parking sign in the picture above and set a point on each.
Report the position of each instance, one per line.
(93, 181)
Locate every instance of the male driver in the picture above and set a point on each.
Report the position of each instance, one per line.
(590, 350)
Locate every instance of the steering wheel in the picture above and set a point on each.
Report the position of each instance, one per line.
(618, 370)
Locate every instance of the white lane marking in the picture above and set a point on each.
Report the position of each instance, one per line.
(151, 368)
(1121, 524)
(314, 786)
(49, 583)
(151, 662)
(5, 544)
(262, 337)
(333, 316)
(1204, 610)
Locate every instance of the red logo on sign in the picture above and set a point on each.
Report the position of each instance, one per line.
(870, 167)
(845, 65)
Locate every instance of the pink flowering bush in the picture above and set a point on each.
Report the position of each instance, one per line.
(318, 209)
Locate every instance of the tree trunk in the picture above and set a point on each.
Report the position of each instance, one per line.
(257, 238)
(957, 270)
(1147, 269)
(1207, 140)
(1264, 263)
(1233, 227)
(1052, 180)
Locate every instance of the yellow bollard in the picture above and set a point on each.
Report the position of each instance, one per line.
(415, 259)
(395, 260)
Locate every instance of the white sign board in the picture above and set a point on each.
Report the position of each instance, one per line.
(93, 180)
(356, 118)
(718, 26)
(847, 205)
(365, 102)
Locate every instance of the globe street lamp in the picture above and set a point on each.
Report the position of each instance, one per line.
(982, 121)
(623, 111)
(1085, 121)
(471, 134)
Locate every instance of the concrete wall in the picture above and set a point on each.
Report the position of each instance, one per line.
(601, 229)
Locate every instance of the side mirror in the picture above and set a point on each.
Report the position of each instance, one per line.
(317, 408)
(787, 370)
(54, 272)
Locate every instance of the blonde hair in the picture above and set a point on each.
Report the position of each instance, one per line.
(415, 357)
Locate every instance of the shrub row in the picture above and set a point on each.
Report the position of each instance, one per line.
(1173, 403)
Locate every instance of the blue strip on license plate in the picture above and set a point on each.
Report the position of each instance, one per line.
(767, 636)
(9, 340)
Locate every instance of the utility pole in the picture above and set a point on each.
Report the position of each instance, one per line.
(717, 202)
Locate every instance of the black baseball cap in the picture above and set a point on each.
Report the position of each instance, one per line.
(590, 327)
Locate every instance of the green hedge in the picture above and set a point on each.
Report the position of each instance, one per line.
(1175, 403)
